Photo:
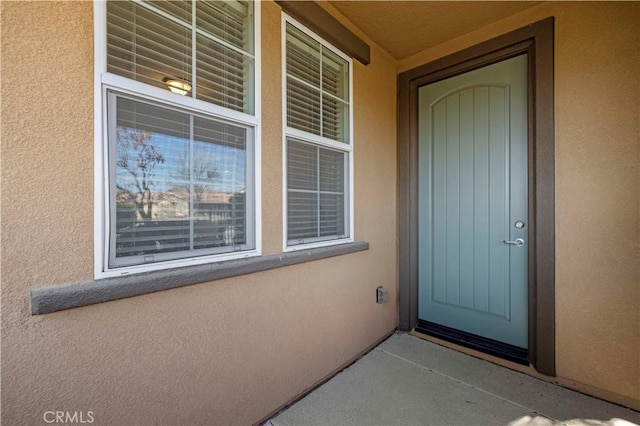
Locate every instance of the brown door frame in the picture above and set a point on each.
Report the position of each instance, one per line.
(537, 41)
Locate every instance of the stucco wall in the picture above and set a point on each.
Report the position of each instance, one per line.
(225, 352)
(233, 350)
(597, 111)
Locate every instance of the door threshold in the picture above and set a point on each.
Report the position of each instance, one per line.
(475, 342)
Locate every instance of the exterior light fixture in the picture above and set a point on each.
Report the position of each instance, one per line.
(178, 86)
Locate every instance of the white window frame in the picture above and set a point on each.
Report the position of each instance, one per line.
(104, 81)
(317, 140)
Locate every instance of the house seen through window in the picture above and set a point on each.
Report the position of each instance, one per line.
(178, 90)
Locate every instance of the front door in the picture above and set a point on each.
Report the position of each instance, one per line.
(472, 204)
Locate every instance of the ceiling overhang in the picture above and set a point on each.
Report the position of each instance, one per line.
(404, 28)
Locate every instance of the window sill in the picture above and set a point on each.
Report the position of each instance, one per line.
(57, 298)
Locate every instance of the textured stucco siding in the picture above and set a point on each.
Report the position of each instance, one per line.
(233, 350)
(225, 352)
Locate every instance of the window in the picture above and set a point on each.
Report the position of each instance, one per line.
(318, 145)
(178, 178)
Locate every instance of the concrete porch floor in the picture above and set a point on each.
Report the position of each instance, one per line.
(409, 381)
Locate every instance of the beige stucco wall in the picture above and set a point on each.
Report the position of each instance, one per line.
(233, 350)
(597, 128)
(225, 352)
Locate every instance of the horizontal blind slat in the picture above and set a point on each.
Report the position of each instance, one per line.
(223, 22)
(307, 185)
(221, 75)
(178, 9)
(303, 107)
(149, 47)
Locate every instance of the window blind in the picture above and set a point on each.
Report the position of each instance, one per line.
(181, 174)
(315, 193)
(154, 41)
(317, 87)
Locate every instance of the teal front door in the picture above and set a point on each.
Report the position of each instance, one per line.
(472, 184)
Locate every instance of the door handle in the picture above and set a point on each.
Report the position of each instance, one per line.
(518, 242)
